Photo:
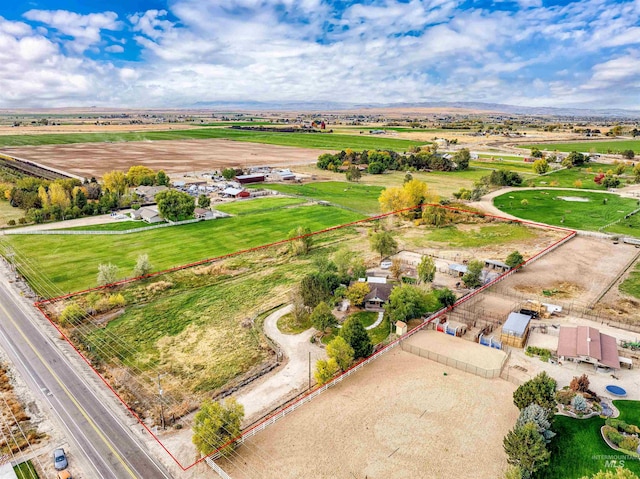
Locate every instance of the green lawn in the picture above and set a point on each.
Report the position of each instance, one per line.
(491, 234)
(113, 226)
(567, 178)
(627, 227)
(257, 205)
(631, 286)
(8, 213)
(362, 198)
(545, 207)
(589, 146)
(578, 450)
(288, 325)
(521, 168)
(71, 262)
(25, 470)
(325, 141)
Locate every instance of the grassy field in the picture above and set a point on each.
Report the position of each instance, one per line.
(567, 178)
(441, 183)
(627, 227)
(25, 470)
(288, 325)
(578, 449)
(166, 247)
(362, 198)
(113, 226)
(325, 141)
(257, 205)
(589, 146)
(193, 324)
(491, 234)
(8, 213)
(631, 285)
(521, 168)
(544, 206)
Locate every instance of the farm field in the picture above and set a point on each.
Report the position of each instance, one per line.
(383, 416)
(442, 183)
(327, 141)
(166, 247)
(464, 236)
(582, 210)
(589, 146)
(245, 207)
(521, 168)
(358, 197)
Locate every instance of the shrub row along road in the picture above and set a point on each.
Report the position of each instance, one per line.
(105, 447)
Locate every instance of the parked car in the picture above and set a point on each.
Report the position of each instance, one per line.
(60, 459)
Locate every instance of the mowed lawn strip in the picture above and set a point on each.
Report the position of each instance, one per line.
(326, 141)
(544, 206)
(244, 207)
(361, 198)
(588, 146)
(71, 261)
(578, 450)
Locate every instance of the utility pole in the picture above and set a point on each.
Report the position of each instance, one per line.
(160, 392)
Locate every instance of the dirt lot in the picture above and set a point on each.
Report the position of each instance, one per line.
(94, 159)
(399, 417)
(574, 273)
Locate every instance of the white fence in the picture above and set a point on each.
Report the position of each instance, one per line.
(105, 232)
(211, 463)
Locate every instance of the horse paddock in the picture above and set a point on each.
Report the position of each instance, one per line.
(402, 416)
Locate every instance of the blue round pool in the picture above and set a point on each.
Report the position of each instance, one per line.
(616, 390)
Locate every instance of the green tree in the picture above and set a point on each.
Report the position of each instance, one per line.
(354, 333)
(628, 154)
(107, 274)
(322, 317)
(576, 159)
(426, 269)
(343, 259)
(445, 297)
(537, 415)
(525, 448)
(317, 287)
(353, 174)
(204, 201)
(473, 277)
(357, 292)
(175, 205)
(143, 266)
(462, 158)
(536, 153)
(514, 259)
(162, 179)
(229, 173)
(79, 198)
(325, 370)
(540, 390)
(72, 314)
(216, 424)
(341, 351)
(436, 216)
(303, 242)
(408, 302)
(540, 166)
(383, 243)
(619, 473)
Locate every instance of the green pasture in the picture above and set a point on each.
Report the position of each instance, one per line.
(71, 261)
(257, 205)
(544, 206)
(326, 141)
(631, 284)
(485, 235)
(613, 146)
(355, 196)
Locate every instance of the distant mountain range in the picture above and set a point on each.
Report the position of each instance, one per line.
(488, 107)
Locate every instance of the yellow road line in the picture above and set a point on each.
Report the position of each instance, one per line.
(73, 399)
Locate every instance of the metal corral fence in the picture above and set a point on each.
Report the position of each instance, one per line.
(454, 363)
(105, 232)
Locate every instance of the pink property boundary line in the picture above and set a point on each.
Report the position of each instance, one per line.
(39, 305)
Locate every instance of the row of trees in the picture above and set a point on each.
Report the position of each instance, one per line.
(44, 200)
(379, 161)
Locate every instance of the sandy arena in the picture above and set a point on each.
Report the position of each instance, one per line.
(399, 417)
(94, 159)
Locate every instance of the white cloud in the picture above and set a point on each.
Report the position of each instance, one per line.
(114, 49)
(85, 29)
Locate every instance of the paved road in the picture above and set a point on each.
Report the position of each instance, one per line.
(104, 445)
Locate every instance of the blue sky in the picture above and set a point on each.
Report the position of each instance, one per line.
(175, 53)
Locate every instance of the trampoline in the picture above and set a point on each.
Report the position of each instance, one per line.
(616, 390)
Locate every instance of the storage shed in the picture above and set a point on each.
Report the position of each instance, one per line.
(515, 330)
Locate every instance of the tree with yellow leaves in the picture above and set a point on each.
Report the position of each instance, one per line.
(413, 193)
(59, 196)
(44, 197)
(115, 182)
